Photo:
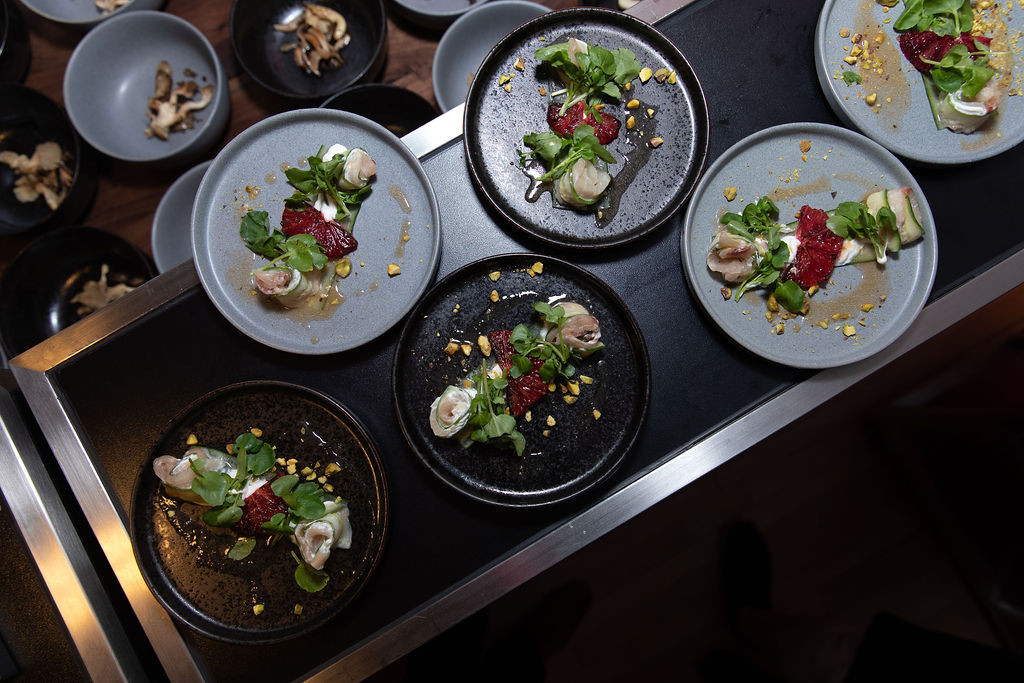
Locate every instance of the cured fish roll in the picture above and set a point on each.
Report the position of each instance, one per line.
(582, 185)
(732, 256)
(317, 538)
(288, 286)
(450, 411)
(177, 473)
(580, 330)
(356, 171)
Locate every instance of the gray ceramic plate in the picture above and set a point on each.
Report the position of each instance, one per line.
(904, 125)
(184, 561)
(466, 42)
(171, 237)
(249, 174)
(579, 451)
(841, 166)
(649, 185)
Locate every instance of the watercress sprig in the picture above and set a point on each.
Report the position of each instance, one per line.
(560, 153)
(960, 68)
(853, 220)
(758, 220)
(301, 251)
(322, 177)
(595, 74)
(942, 17)
(489, 425)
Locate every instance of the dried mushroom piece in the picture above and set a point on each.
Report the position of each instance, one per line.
(96, 294)
(107, 6)
(322, 33)
(45, 174)
(171, 107)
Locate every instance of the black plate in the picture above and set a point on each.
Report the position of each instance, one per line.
(580, 451)
(28, 118)
(184, 561)
(37, 288)
(649, 184)
(399, 110)
(257, 46)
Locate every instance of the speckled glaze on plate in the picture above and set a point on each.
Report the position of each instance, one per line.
(249, 174)
(184, 561)
(905, 126)
(649, 185)
(841, 166)
(580, 451)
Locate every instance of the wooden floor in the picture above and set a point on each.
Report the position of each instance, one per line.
(849, 534)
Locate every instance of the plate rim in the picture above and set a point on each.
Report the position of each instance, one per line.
(809, 362)
(338, 411)
(613, 297)
(908, 151)
(701, 127)
(203, 260)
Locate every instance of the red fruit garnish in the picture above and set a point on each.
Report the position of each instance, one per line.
(606, 131)
(525, 390)
(258, 509)
(819, 247)
(335, 239)
(920, 45)
(502, 347)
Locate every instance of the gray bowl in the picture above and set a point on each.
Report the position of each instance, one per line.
(84, 13)
(171, 236)
(467, 41)
(110, 77)
(434, 14)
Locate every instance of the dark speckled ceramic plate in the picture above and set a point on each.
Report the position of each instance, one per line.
(905, 125)
(649, 185)
(184, 561)
(580, 450)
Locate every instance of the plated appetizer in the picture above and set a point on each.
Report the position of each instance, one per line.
(568, 156)
(530, 360)
(244, 492)
(310, 249)
(948, 48)
(754, 250)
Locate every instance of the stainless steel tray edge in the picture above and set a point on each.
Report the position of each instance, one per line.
(58, 553)
(675, 471)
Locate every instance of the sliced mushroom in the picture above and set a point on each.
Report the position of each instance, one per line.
(45, 174)
(171, 110)
(322, 32)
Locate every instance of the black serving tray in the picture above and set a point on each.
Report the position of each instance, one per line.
(124, 389)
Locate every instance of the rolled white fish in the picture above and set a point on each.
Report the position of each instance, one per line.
(580, 330)
(317, 538)
(449, 412)
(582, 185)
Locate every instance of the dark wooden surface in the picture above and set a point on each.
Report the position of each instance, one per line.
(128, 194)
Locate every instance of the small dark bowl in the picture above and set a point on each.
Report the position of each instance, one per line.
(37, 288)
(399, 110)
(257, 46)
(15, 51)
(434, 14)
(30, 118)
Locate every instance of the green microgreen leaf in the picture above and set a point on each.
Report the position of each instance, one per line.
(309, 579)
(242, 548)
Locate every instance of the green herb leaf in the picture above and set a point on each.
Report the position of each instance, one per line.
(223, 516)
(558, 159)
(790, 295)
(212, 487)
(242, 548)
(280, 523)
(852, 77)
(309, 579)
(283, 485)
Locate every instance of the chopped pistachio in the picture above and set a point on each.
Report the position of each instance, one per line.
(730, 193)
(597, 414)
(656, 142)
(452, 348)
(466, 349)
(494, 295)
(343, 268)
(630, 122)
(297, 610)
(485, 345)
(331, 468)
(257, 609)
(528, 416)
(867, 307)
(645, 74)
(574, 388)
(538, 267)
(570, 399)
(661, 74)
(256, 431)
(849, 330)
(550, 421)
(394, 269)
(586, 379)
(494, 275)
(633, 104)
(519, 65)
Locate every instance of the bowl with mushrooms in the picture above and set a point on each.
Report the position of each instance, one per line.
(47, 175)
(309, 51)
(147, 87)
(87, 13)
